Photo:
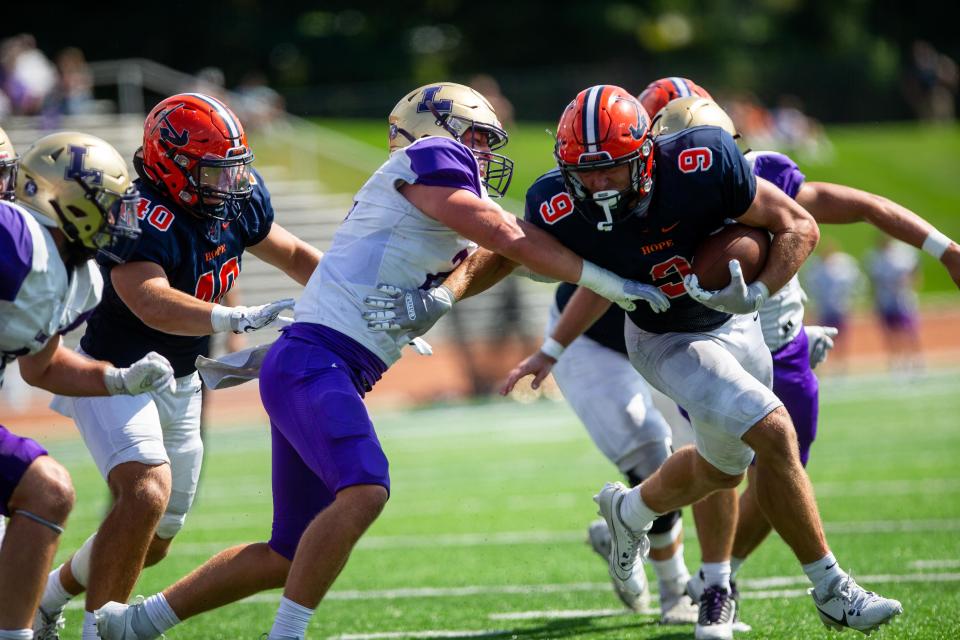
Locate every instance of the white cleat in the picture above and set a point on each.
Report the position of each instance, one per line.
(627, 548)
(115, 621)
(598, 536)
(849, 605)
(717, 610)
(695, 587)
(676, 607)
(47, 626)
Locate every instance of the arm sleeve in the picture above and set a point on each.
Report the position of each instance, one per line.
(444, 162)
(778, 169)
(258, 219)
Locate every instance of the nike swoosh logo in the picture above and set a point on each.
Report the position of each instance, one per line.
(841, 620)
(668, 229)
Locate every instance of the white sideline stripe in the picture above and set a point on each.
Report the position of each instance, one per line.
(533, 589)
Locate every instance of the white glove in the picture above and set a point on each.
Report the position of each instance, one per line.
(736, 297)
(409, 311)
(150, 373)
(245, 319)
(622, 291)
(820, 342)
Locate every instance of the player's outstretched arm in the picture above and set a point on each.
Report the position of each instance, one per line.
(144, 288)
(288, 253)
(583, 309)
(832, 203)
(484, 222)
(62, 371)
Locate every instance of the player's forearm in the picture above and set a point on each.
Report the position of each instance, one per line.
(171, 311)
(583, 309)
(477, 273)
(64, 372)
(525, 244)
(789, 248)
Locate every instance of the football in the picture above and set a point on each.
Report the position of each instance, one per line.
(747, 244)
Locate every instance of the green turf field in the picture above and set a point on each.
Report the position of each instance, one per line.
(484, 534)
(916, 165)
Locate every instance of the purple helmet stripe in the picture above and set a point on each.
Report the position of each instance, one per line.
(232, 125)
(681, 84)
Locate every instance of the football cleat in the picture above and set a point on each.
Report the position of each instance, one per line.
(47, 626)
(627, 548)
(847, 604)
(717, 610)
(676, 607)
(116, 621)
(695, 588)
(598, 537)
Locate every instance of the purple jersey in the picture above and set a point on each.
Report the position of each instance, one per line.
(778, 169)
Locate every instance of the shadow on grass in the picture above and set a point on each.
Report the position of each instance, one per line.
(579, 627)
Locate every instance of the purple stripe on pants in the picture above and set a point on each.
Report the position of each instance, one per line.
(323, 439)
(796, 385)
(16, 454)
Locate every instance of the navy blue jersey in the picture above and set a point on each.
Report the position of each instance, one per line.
(200, 256)
(700, 179)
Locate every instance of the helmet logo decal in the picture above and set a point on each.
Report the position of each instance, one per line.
(30, 187)
(441, 106)
(169, 132)
(75, 169)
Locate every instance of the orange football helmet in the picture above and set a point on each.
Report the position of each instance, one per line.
(195, 149)
(659, 92)
(606, 127)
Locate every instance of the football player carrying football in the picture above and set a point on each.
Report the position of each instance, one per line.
(201, 206)
(422, 213)
(75, 200)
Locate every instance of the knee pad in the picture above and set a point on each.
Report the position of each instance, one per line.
(643, 461)
(176, 514)
(185, 472)
(665, 530)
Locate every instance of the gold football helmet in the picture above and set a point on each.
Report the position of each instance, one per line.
(9, 161)
(80, 184)
(450, 110)
(692, 111)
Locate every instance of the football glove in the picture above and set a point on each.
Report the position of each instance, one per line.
(150, 373)
(409, 311)
(736, 297)
(820, 342)
(242, 319)
(623, 292)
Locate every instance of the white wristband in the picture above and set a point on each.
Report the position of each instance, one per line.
(552, 348)
(936, 244)
(220, 318)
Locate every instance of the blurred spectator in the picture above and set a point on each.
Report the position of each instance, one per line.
(211, 81)
(931, 83)
(752, 120)
(26, 75)
(894, 273)
(74, 90)
(796, 132)
(490, 88)
(258, 105)
(834, 281)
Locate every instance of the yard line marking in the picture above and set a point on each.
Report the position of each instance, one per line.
(934, 564)
(433, 633)
(562, 614)
(532, 589)
(419, 541)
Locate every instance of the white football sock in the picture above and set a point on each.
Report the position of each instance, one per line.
(735, 564)
(55, 597)
(80, 562)
(17, 634)
(89, 627)
(635, 513)
(154, 617)
(716, 574)
(291, 620)
(673, 569)
(822, 573)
